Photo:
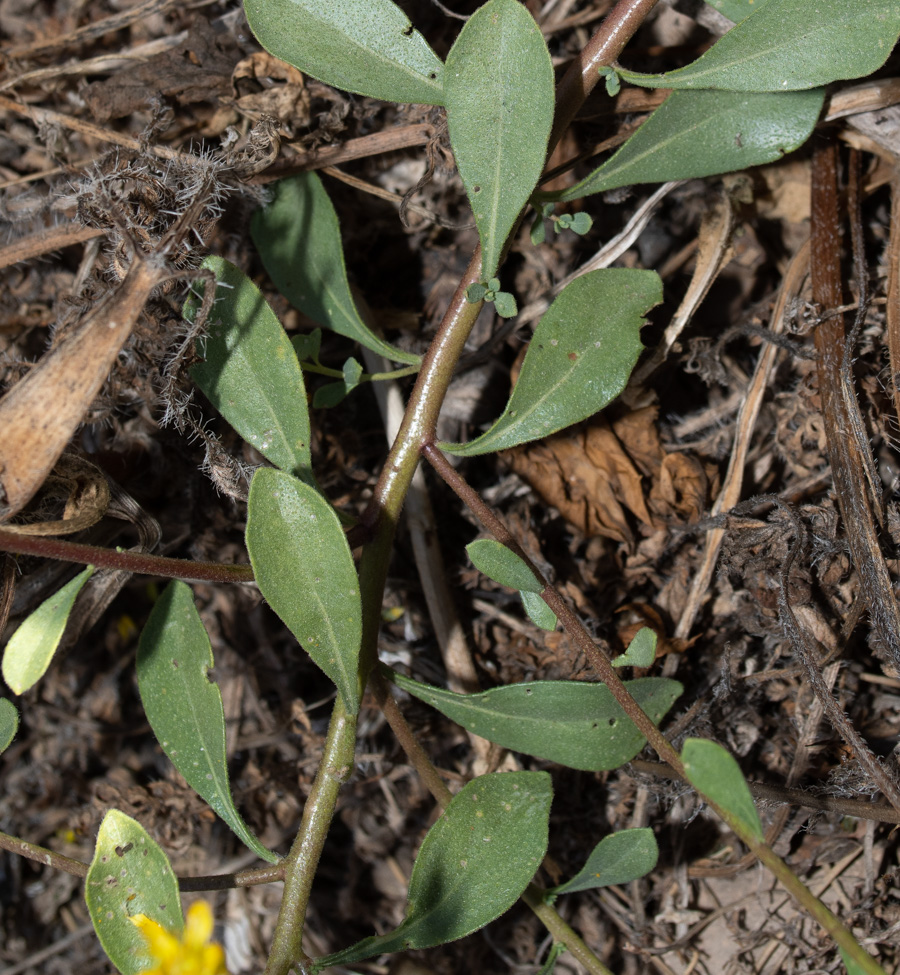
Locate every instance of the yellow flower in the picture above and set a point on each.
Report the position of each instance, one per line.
(190, 954)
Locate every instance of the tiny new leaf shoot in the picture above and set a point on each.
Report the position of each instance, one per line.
(304, 569)
(579, 359)
(9, 723)
(184, 707)
(502, 565)
(129, 875)
(617, 859)
(575, 723)
(308, 345)
(472, 866)
(641, 651)
(250, 371)
(611, 79)
(789, 45)
(31, 648)
(299, 240)
(714, 773)
(498, 89)
(368, 46)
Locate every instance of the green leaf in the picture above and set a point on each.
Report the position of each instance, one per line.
(352, 372)
(702, 133)
(502, 565)
(571, 722)
(304, 569)
(364, 46)
(250, 371)
(641, 651)
(505, 305)
(538, 232)
(308, 345)
(184, 707)
(538, 611)
(30, 649)
(129, 875)
(579, 359)
(581, 223)
(617, 859)
(330, 395)
(498, 89)
(9, 723)
(472, 866)
(717, 776)
(299, 241)
(736, 10)
(476, 292)
(790, 45)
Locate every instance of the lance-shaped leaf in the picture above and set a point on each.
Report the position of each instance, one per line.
(571, 722)
(498, 89)
(30, 649)
(299, 241)
(702, 133)
(579, 359)
(790, 45)
(472, 866)
(184, 707)
(364, 46)
(641, 651)
(715, 774)
(250, 371)
(502, 565)
(617, 859)
(304, 568)
(129, 875)
(9, 723)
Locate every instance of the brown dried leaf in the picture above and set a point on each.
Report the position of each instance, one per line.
(284, 95)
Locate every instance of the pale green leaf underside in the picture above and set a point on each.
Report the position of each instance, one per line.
(703, 133)
(9, 723)
(250, 372)
(641, 651)
(502, 565)
(184, 707)
(571, 722)
(579, 359)
(538, 611)
(299, 241)
(472, 866)
(617, 859)
(305, 571)
(365, 46)
(789, 45)
(713, 772)
(129, 875)
(498, 88)
(31, 648)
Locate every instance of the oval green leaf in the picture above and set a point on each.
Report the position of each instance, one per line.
(579, 359)
(472, 866)
(538, 611)
(9, 723)
(703, 133)
(641, 651)
(129, 875)
(498, 89)
(571, 722)
(502, 565)
(617, 859)
(30, 649)
(718, 777)
(184, 707)
(299, 241)
(365, 46)
(250, 371)
(791, 45)
(304, 569)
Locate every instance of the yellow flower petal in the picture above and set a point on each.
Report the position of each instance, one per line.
(190, 954)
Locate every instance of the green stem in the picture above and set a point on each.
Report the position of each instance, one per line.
(139, 562)
(300, 864)
(561, 931)
(366, 377)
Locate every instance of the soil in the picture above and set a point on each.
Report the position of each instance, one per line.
(107, 108)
